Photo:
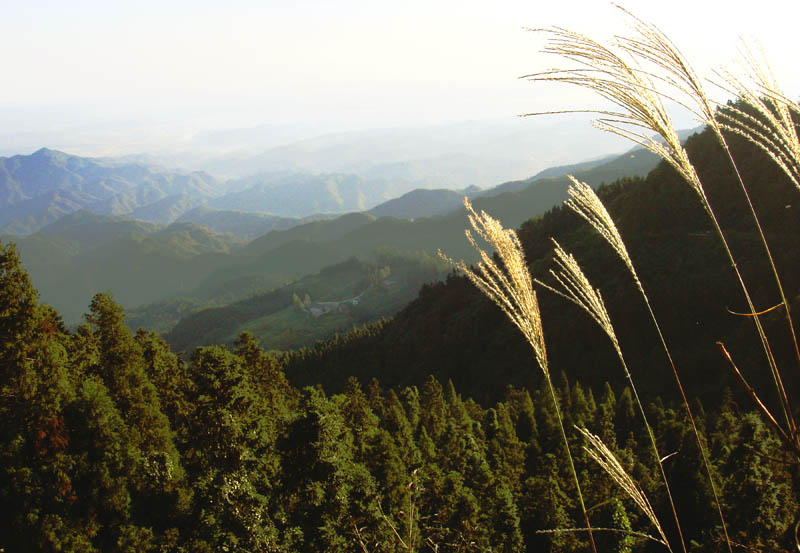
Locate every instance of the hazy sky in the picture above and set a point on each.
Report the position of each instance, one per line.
(202, 64)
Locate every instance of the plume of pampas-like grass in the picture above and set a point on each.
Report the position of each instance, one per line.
(584, 201)
(509, 285)
(604, 457)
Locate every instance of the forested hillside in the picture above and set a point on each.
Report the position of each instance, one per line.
(451, 327)
(281, 256)
(112, 443)
(338, 298)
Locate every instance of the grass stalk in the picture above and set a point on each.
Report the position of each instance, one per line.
(576, 288)
(654, 46)
(641, 109)
(604, 457)
(584, 201)
(510, 286)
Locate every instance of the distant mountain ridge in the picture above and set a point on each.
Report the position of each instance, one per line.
(145, 263)
(300, 195)
(40, 188)
(423, 203)
(310, 247)
(451, 155)
(246, 225)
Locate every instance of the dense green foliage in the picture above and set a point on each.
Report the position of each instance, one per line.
(112, 443)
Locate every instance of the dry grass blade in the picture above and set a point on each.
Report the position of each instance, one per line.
(772, 128)
(598, 451)
(584, 201)
(576, 288)
(612, 530)
(508, 285)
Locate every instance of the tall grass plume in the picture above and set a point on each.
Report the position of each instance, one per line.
(509, 285)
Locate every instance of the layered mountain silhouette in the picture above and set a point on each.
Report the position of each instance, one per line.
(212, 257)
(40, 188)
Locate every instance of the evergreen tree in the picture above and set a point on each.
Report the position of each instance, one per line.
(168, 374)
(228, 456)
(545, 508)
(123, 369)
(762, 505)
(37, 476)
(324, 490)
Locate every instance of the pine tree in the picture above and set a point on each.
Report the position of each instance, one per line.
(37, 476)
(433, 409)
(123, 369)
(228, 456)
(603, 424)
(758, 491)
(168, 374)
(323, 487)
(545, 508)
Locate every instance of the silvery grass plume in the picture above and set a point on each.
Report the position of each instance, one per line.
(584, 201)
(511, 288)
(509, 285)
(669, 66)
(619, 77)
(778, 137)
(604, 457)
(576, 288)
(633, 91)
(774, 131)
(772, 128)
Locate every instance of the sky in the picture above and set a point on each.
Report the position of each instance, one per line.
(112, 68)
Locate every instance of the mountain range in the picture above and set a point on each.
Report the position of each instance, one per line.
(40, 188)
(170, 272)
(450, 156)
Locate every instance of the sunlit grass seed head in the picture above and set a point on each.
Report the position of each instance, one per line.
(575, 286)
(617, 77)
(772, 128)
(584, 201)
(508, 284)
(604, 457)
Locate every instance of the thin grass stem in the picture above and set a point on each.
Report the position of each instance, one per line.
(576, 288)
(632, 89)
(584, 201)
(509, 285)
